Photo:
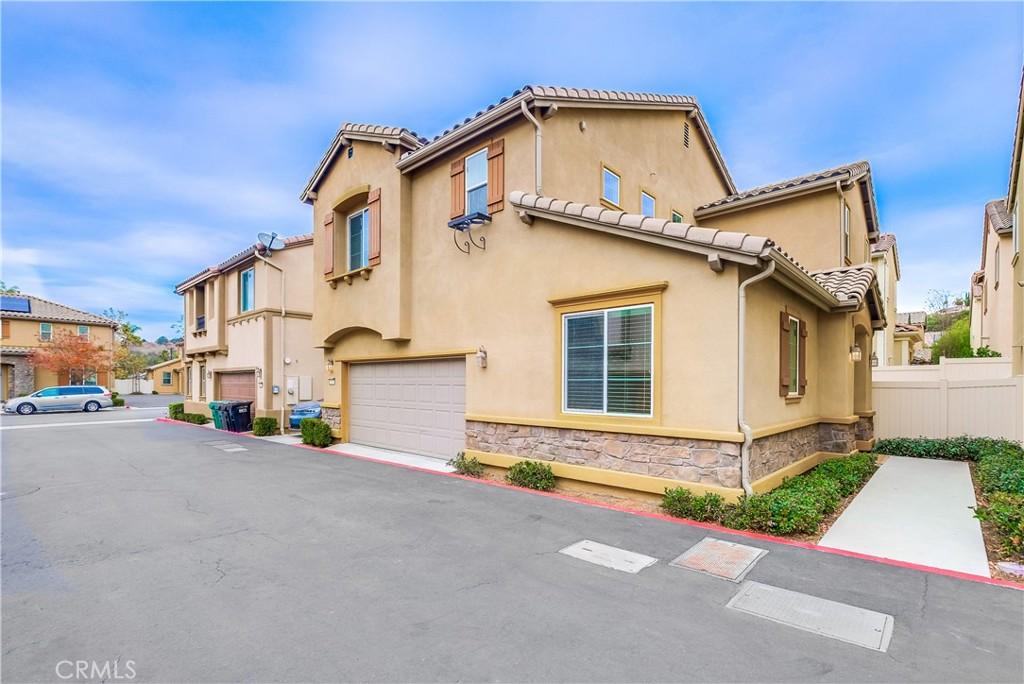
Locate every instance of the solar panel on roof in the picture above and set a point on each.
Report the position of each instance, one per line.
(15, 304)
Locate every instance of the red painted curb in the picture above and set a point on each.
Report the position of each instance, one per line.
(661, 516)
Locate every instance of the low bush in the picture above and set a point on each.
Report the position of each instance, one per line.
(195, 418)
(467, 466)
(953, 449)
(798, 506)
(682, 503)
(315, 432)
(154, 392)
(1006, 512)
(1001, 468)
(176, 411)
(118, 401)
(263, 427)
(531, 474)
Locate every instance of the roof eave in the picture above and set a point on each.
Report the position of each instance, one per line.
(1018, 147)
(769, 197)
(343, 137)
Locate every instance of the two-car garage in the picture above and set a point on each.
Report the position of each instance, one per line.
(411, 406)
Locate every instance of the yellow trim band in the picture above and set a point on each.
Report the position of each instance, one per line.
(450, 353)
(601, 295)
(621, 428)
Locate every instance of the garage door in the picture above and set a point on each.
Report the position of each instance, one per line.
(413, 406)
(238, 386)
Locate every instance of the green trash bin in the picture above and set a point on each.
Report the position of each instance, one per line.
(218, 415)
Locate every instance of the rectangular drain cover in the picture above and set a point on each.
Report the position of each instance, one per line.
(720, 558)
(609, 556)
(831, 619)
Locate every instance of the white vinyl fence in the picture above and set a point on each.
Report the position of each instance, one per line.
(127, 386)
(977, 397)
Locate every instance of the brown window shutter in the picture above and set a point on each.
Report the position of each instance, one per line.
(329, 243)
(458, 188)
(783, 354)
(373, 204)
(496, 176)
(803, 357)
(63, 378)
(6, 329)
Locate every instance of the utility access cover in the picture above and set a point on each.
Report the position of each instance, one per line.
(720, 558)
(609, 556)
(831, 619)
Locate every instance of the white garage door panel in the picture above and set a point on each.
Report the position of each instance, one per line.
(413, 406)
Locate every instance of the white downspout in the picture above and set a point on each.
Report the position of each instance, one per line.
(538, 139)
(748, 434)
(283, 371)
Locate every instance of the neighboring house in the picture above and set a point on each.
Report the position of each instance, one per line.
(30, 322)
(886, 259)
(1015, 208)
(908, 341)
(461, 305)
(992, 286)
(242, 341)
(167, 377)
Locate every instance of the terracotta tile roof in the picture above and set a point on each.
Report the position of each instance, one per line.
(907, 328)
(846, 171)
(850, 283)
(885, 242)
(241, 257)
(998, 216)
(45, 310)
(383, 131)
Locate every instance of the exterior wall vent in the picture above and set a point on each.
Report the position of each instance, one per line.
(686, 134)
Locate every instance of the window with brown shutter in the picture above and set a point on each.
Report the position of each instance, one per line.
(6, 329)
(458, 174)
(373, 204)
(495, 176)
(783, 354)
(328, 245)
(792, 355)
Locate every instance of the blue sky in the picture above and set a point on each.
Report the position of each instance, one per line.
(142, 142)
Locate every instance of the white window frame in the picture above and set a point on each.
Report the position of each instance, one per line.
(995, 267)
(242, 308)
(794, 368)
(674, 215)
(845, 228)
(618, 186)
(604, 362)
(470, 188)
(365, 261)
(166, 378)
(1015, 232)
(654, 203)
(83, 332)
(46, 332)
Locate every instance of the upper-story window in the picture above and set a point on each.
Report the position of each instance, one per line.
(676, 217)
(45, 332)
(1015, 231)
(83, 332)
(845, 227)
(247, 290)
(646, 203)
(476, 182)
(358, 239)
(610, 186)
(200, 306)
(995, 269)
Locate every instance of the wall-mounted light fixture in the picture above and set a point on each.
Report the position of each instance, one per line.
(856, 354)
(481, 357)
(874, 360)
(329, 366)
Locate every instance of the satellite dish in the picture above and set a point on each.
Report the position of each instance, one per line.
(270, 240)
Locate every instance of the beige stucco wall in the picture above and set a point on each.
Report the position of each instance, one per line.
(1017, 299)
(997, 322)
(884, 340)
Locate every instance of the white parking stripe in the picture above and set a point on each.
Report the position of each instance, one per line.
(75, 424)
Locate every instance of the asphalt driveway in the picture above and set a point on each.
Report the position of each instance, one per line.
(205, 562)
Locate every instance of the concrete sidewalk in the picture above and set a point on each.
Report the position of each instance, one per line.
(915, 510)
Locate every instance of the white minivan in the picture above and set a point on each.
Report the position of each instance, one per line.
(87, 398)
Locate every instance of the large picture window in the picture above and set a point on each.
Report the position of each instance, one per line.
(608, 362)
(358, 239)
(476, 182)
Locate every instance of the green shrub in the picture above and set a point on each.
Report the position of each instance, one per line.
(682, 503)
(780, 511)
(195, 418)
(531, 474)
(315, 432)
(1001, 468)
(467, 466)
(263, 427)
(176, 411)
(986, 353)
(1006, 512)
(154, 392)
(954, 449)
(848, 473)
(118, 401)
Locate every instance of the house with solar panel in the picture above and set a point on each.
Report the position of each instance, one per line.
(29, 322)
(572, 275)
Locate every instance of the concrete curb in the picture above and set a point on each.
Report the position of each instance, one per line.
(655, 516)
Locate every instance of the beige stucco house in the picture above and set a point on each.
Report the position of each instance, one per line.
(886, 260)
(992, 286)
(248, 331)
(29, 322)
(532, 283)
(1015, 209)
(168, 376)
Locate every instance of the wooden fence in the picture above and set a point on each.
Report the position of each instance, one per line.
(977, 397)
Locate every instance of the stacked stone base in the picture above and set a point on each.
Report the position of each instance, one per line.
(22, 375)
(699, 461)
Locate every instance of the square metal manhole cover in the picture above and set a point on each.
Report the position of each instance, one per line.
(720, 558)
(609, 556)
(820, 616)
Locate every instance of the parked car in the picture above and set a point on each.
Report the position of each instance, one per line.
(87, 398)
(307, 409)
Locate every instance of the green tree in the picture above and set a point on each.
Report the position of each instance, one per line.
(162, 340)
(127, 333)
(955, 343)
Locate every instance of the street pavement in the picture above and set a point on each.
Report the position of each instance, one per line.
(209, 557)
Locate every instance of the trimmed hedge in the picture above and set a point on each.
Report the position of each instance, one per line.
(195, 418)
(315, 432)
(264, 427)
(117, 401)
(467, 466)
(176, 411)
(798, 506)
(532, 475)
